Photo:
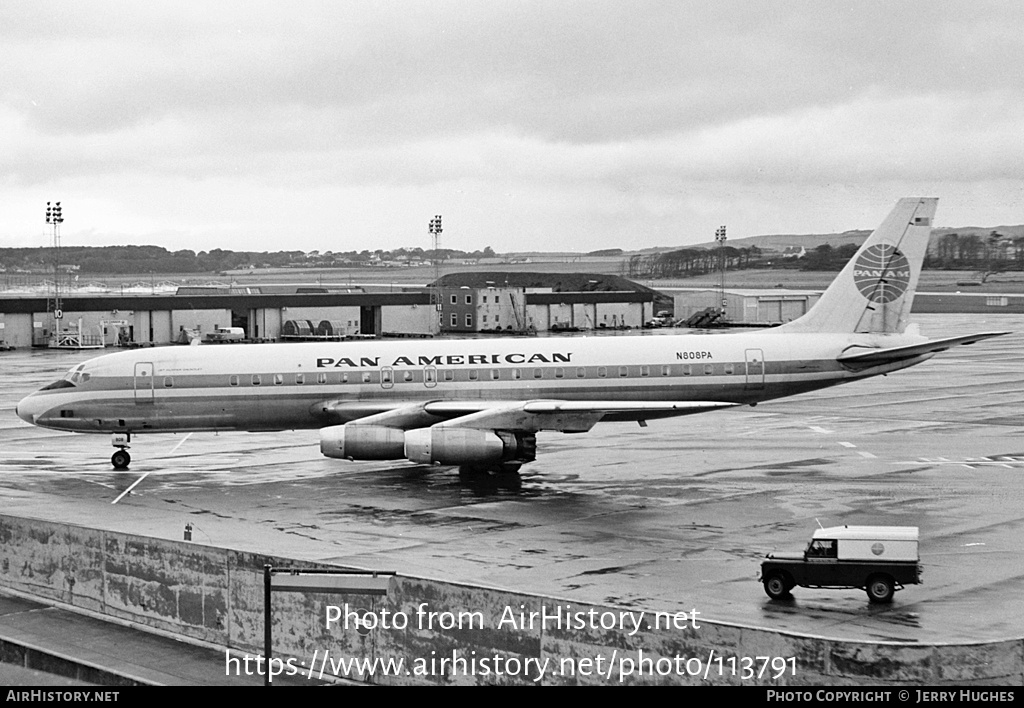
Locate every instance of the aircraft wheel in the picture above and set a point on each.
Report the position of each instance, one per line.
(880, 589)
(120, 460)
(775, 586)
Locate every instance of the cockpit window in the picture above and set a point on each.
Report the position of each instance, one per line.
(63, 383)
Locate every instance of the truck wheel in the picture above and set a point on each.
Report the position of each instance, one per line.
(880, 588)
(775, 586)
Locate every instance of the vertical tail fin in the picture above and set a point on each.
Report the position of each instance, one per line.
(875, 290)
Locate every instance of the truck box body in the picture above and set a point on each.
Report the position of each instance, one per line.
(873, 543)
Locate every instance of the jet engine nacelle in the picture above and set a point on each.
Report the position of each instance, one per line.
(362, 442)
(467, 446)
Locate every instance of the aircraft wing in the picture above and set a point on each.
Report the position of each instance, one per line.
(874, 357)
(527, 416)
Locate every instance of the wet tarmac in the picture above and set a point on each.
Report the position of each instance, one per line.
(674, 517)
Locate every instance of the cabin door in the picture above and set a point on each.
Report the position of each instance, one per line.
(144, 375)
(755, 369)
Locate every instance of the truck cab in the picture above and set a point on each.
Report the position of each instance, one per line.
(876, 559)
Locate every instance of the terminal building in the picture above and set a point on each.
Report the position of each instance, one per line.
(520, 309)
(98, 320)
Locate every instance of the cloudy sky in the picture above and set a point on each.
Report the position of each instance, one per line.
(549, 125)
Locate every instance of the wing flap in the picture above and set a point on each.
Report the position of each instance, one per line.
(639, 407)
(576, 416)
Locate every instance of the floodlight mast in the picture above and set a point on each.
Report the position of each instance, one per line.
(55, 218)
(435, 288)
(720, 239)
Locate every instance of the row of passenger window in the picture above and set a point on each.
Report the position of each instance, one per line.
(431, 375)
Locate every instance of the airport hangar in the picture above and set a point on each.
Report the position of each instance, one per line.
(744, 305)
(27, 320)
(777, 305)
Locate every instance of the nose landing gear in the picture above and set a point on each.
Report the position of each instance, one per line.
(120, 459)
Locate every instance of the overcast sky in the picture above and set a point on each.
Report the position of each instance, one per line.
(549, 125)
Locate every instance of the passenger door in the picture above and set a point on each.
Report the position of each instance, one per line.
(755, 369)
(145, 372)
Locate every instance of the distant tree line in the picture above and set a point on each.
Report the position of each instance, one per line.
(123, 260)
(825, 257)
(690, 262)
(989, 254)
(995, 253)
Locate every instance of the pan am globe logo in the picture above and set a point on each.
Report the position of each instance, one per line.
(881, 273)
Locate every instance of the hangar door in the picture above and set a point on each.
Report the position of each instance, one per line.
(780, 309)
(370, 320)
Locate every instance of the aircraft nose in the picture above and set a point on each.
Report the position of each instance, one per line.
(28, 409)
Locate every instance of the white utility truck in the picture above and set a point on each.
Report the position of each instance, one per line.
(876, 559)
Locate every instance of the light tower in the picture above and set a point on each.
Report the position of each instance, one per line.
(55, 219)
(720, 239)
(435, 288)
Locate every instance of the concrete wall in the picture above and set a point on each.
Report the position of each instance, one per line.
(537, 317)
(162, 326)
(969, 302)
(266, 323)
(216, 595)
(17, 331)
(417, 318)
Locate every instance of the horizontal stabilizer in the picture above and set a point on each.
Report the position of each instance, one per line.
(875, 357)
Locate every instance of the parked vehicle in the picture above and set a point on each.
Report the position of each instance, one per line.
(225, 334)
(876, 559)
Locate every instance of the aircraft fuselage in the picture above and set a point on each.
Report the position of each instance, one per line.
(295, 386)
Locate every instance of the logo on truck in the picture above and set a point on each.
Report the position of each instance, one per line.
(881, 273)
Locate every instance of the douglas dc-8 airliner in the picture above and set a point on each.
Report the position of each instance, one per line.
(480, 403)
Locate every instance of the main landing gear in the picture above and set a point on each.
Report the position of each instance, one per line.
(120, 459)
